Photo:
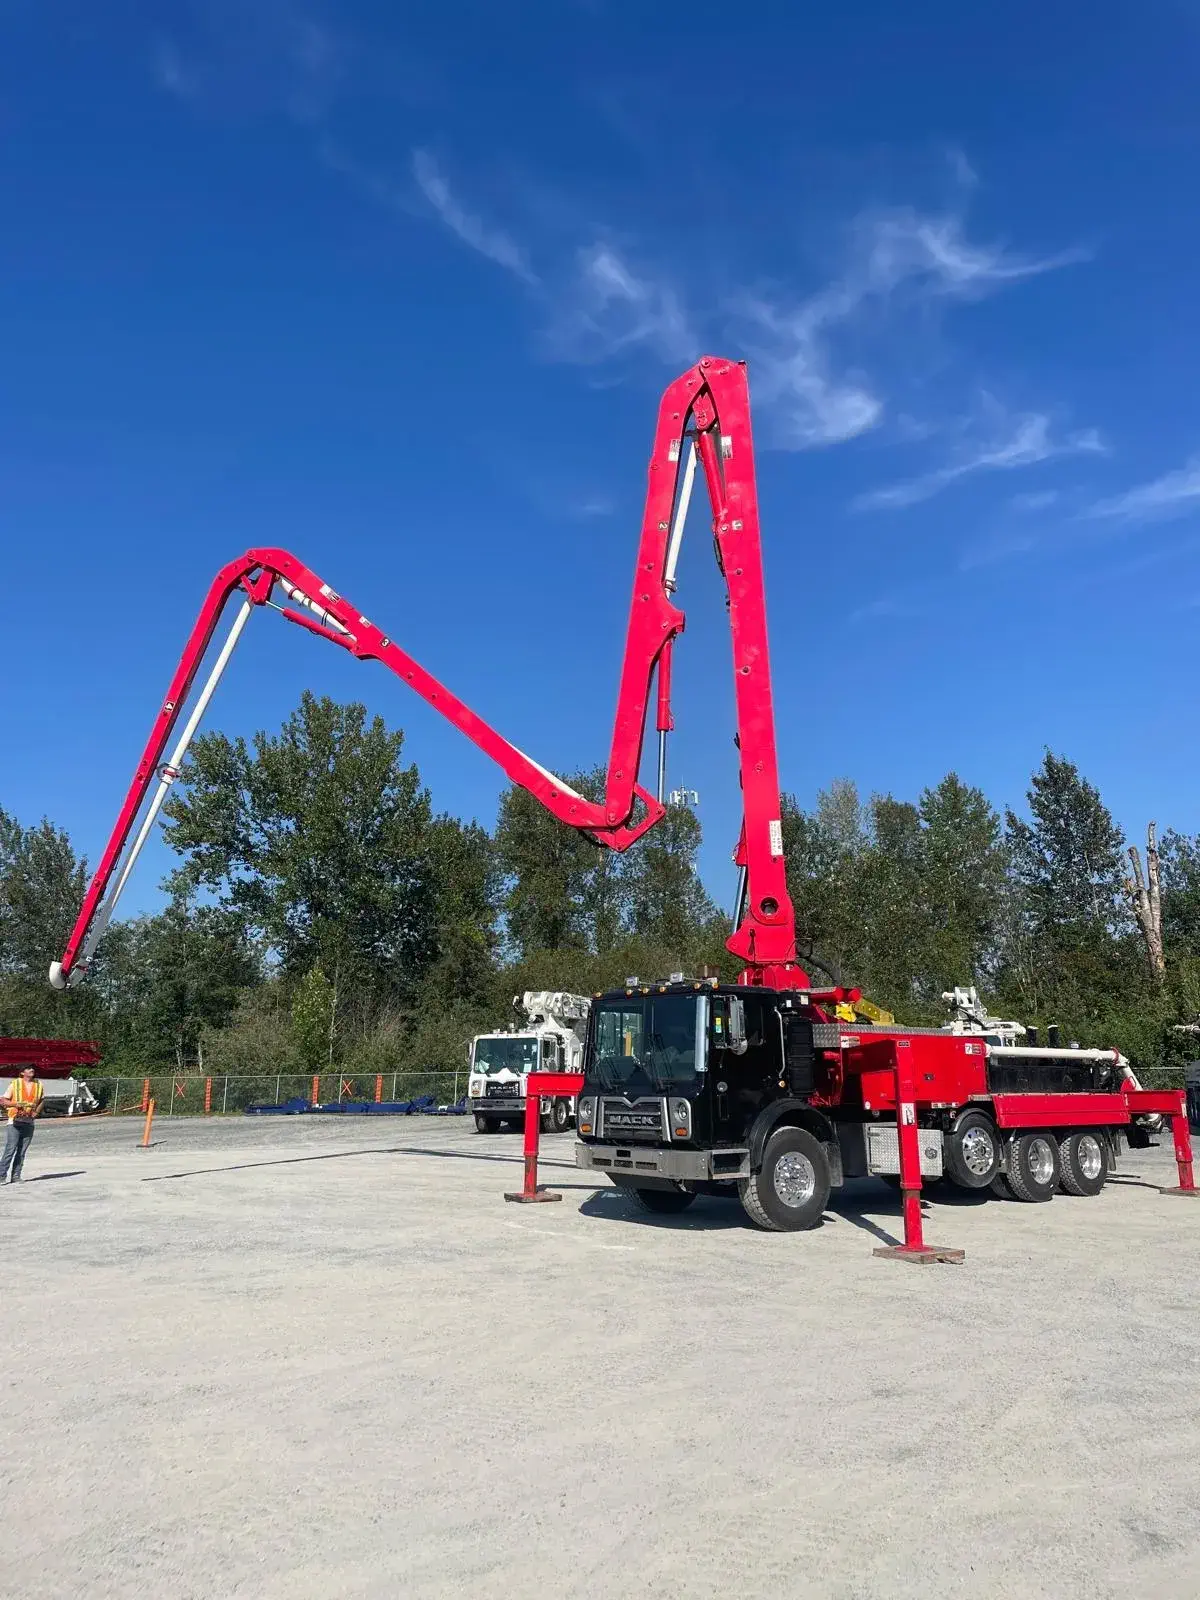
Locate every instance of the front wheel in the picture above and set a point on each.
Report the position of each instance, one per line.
(791, 1189)
(486, 1124)
(560, 1116)
(972, 1152)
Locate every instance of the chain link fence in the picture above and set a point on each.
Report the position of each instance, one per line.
(196, 1094)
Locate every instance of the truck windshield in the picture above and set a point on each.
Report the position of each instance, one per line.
(494, 1055)
(650, 1035)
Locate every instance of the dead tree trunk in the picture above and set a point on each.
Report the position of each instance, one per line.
(1146, 899)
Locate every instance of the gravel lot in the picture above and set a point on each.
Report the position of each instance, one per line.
(315, 1357)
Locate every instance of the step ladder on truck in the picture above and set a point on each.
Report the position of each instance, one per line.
(758, 1088)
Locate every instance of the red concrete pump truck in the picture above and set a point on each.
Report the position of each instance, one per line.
(755, 1088)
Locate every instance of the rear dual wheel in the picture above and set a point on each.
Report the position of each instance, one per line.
(1085, 1162)
(1034, 1166)
(1038, 1164)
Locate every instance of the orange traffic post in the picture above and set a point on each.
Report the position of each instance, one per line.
(316, 1088)
(378, 1088)
(208, 1096)
(145, 1144)
(145, 1093)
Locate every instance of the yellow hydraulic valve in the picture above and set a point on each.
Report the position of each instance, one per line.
(850, 1011)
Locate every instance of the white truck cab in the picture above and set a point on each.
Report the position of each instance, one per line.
(548, 1038)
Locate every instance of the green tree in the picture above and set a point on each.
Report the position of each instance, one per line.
(42, 884)
(1179, 859)
(194, 963)
(548, 871)
(1067, 858)
(314, 1010)
(825, 851)
(962, 871)
(1066, 944)
(668, 906)
(319, 840)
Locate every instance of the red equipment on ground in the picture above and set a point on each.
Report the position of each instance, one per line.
(53, 1058)
(704, 418)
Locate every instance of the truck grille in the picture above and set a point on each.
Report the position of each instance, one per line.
(642, 1120)
(501, 1091)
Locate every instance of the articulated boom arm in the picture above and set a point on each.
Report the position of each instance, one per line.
(704, 417)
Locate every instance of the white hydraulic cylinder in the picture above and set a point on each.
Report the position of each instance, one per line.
(167, 776)
(681, 511)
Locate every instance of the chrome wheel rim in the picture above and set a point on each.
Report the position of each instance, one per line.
(794, 1179)
(1089, 1156)
(978, 1152)
(1040, 1157)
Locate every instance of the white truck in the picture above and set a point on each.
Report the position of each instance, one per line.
(547, 1037)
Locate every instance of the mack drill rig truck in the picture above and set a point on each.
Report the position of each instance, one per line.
(760, 1089)
(548, 1038)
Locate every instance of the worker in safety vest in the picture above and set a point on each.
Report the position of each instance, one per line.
(23, 1102)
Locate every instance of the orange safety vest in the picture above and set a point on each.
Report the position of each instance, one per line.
(25, 1094)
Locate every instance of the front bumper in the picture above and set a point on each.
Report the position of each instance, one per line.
(654, 1161)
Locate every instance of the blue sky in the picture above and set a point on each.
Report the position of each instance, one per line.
(398, 288)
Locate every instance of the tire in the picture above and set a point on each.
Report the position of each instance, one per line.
(1085, 1162)
(662, 1202)
(560, 1116)
(486, 1124)
(1033, 1166)
(790, 1190)
(545, 1121)
(972, 1152)
(1000, 1187)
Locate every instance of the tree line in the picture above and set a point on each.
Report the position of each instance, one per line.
(322, 913)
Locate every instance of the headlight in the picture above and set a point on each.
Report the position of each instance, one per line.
(681, 1119)
(585, 1114)
(476, 1088)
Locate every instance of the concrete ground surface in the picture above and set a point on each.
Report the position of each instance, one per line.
(313, 1358)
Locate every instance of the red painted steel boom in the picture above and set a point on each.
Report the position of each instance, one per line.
(704, 420)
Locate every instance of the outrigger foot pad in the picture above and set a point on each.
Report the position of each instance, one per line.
(920, 1255)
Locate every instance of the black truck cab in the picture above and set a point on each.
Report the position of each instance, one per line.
(695, 1086)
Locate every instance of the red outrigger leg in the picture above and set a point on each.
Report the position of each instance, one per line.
(914, 1247)
(538, 1084)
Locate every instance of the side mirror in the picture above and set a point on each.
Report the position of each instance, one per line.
(737, 1025)
(729, 1024)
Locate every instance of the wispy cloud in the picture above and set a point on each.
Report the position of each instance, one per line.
(606, 307)
(249, 56)
(1172, 495)
(488, 241)
(1038, 500)
(1021, 441)
(602, 300)
(934, 252)
(171, 72)
(896, 258)
(793, 373)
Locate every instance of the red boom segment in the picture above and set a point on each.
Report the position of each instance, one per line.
(706, 410)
